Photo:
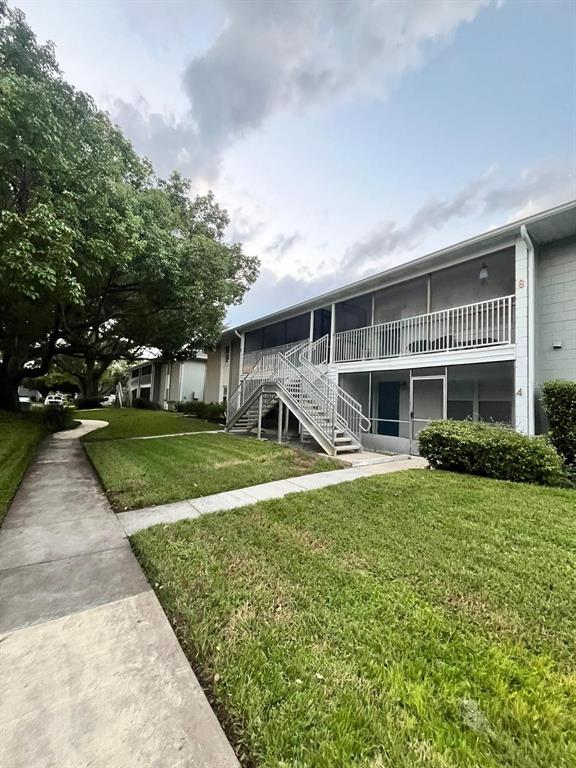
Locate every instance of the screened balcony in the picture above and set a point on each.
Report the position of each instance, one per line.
(483, 324)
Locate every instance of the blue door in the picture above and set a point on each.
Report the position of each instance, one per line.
(389, 407)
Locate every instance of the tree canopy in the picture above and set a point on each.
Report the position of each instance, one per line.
(98, 258)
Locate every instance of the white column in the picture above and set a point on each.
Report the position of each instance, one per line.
(242, 343)
(311, 336)
(524, 366)
(259, 435)
(370, 398)
(280, 419)
(332, 328)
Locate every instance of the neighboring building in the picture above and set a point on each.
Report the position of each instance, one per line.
(223, 368)
(468, 332)
(166, 383)
(34, 394)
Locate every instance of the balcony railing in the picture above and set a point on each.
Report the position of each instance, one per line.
(251, 358)
(485, 324)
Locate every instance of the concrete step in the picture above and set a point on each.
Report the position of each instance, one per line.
(352, 448)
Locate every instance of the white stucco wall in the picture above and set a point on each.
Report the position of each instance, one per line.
(213, 368)
(193, 379)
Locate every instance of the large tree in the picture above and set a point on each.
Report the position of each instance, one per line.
(171, 294)
(98, 259)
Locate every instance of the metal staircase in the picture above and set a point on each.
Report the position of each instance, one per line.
(298, 380)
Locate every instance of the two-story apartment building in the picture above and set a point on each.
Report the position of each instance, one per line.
(165, 382)
(468, 332)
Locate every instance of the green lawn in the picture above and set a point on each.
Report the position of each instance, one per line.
(134, 422)
(21, 434)
(415, 619)
(138, 473)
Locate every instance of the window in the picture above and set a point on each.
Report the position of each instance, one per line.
(354, 313)
(481, 392)
(322, 321)
(227, 353)
(297, 328)
(224, 394)
(278, 334)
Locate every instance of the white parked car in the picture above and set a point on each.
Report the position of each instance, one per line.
(109, 400)
(25, 402)
(55, 399)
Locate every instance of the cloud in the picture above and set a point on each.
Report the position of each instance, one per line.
(288, 55)
(282, 244)
(170, 144)
(535, 190)
(271, 293)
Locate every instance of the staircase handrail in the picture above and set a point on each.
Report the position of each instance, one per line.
(238, 396)
(340, 393)
(312, 392)
(350, 406)
(337, 407)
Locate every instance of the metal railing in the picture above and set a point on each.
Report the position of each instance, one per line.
(328, 407)
(250, 359)
(348, 410)
(484, 324)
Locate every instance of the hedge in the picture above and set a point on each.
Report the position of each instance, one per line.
(145, 405)
(491, 451)
(560, 403)
(208, 411)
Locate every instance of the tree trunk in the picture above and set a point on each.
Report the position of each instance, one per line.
(8, 392)
(90, 380)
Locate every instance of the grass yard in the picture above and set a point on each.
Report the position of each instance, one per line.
(138, 473)
(416, 619)
(135, 422)
(21, 434)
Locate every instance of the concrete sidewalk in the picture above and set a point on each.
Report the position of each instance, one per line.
(92, 673)
(138, 519)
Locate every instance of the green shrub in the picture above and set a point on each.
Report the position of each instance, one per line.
(147, 405)
(560, 403)
(215, 412)
(57, 417)
(491, 451)
(190, 408)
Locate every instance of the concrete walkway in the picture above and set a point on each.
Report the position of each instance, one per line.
(91, 671)
(138, 519)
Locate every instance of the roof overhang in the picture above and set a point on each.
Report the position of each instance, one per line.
(554, 224)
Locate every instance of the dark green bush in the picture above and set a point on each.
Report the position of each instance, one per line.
(88, 402)
(58, 417)
(215, 412)
(491, 451)
(147, 405)
(560, 403)
(187, 407)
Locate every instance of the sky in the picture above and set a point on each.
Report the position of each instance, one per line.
(342, 137)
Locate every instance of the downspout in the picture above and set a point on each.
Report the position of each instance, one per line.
(531, 325)
(180, 380)
(167, 386)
